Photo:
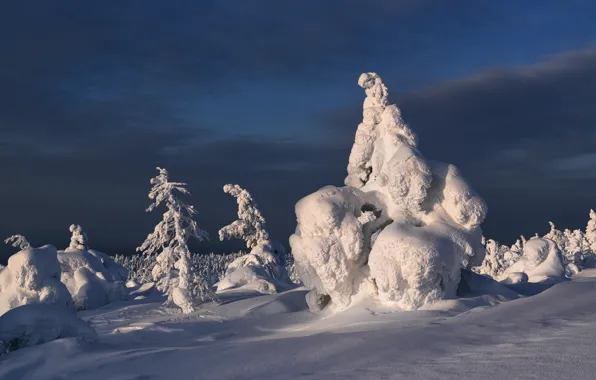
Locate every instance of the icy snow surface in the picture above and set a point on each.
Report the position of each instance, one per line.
(546, 336)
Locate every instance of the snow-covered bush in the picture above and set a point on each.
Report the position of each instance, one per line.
(92, 278)
(18, 241)
(402, 228)
(172, 271)
(33, 276)
(541, 261)
(78, 240)
(261, 269)
(34, 324)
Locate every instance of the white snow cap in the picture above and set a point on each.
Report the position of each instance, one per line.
(402, 228)
(541, 261)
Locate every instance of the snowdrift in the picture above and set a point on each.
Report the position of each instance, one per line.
(400, 230)
(260, 270)
(35, 324)
(92, 278)
(33, 276)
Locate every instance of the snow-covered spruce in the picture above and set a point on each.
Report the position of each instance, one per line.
(18, 241)
(261, 268)
(171, 271)
(33, 276)
(34, 324)
(402, 228)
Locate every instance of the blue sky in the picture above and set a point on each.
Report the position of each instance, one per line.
(95, 94)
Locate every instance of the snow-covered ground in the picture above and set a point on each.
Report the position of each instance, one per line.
(550, 335)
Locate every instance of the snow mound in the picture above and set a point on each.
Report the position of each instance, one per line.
(400, 231)
(260, 270)
(33, 276)
(92, 278)
(541, 262)
(30, 325)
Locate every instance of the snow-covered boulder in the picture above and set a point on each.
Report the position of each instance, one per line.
(541, 261)
(400, 231)
(33, 276)
(34, 324)
(92, 278)
(259, 270)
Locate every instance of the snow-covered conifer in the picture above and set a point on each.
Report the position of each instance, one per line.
(18, 241)
(78, 240)
(591, 232)
(172, 270)
(250, 225)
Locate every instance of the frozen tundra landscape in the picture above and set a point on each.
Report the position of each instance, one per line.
(388, 277)
(550, 335)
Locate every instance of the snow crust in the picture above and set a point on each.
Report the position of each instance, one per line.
(35, 324)
(92, 278)
(33, 276)
(402, 228)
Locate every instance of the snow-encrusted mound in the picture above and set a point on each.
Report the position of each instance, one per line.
(259, 270)
(35, 324)
(402, 228)
(541, 261)
(33, 276)
(92, 278)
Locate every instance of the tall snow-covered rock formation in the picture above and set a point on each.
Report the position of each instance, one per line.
(399, 231)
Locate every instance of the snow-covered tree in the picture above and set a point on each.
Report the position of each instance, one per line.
(557, 236)
(18, 241)
(78, 240)
(169, 238)
(591, 232)
(250, 225)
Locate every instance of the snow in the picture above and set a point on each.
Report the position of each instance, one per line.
(92, 278)
(491, 331)
(402, 228)
(35, 324)
(33, 276)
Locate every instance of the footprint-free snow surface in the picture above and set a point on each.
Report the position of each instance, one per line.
(550, 335)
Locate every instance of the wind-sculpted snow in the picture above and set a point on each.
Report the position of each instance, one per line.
(31, 325)
(33, 276)
(402, 228)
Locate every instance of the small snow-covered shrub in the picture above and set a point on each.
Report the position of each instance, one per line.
(33, 276)
(171, 271)
(541, 261)
(92, 278)
(78, 240)
(402, 228)
(35, 324)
